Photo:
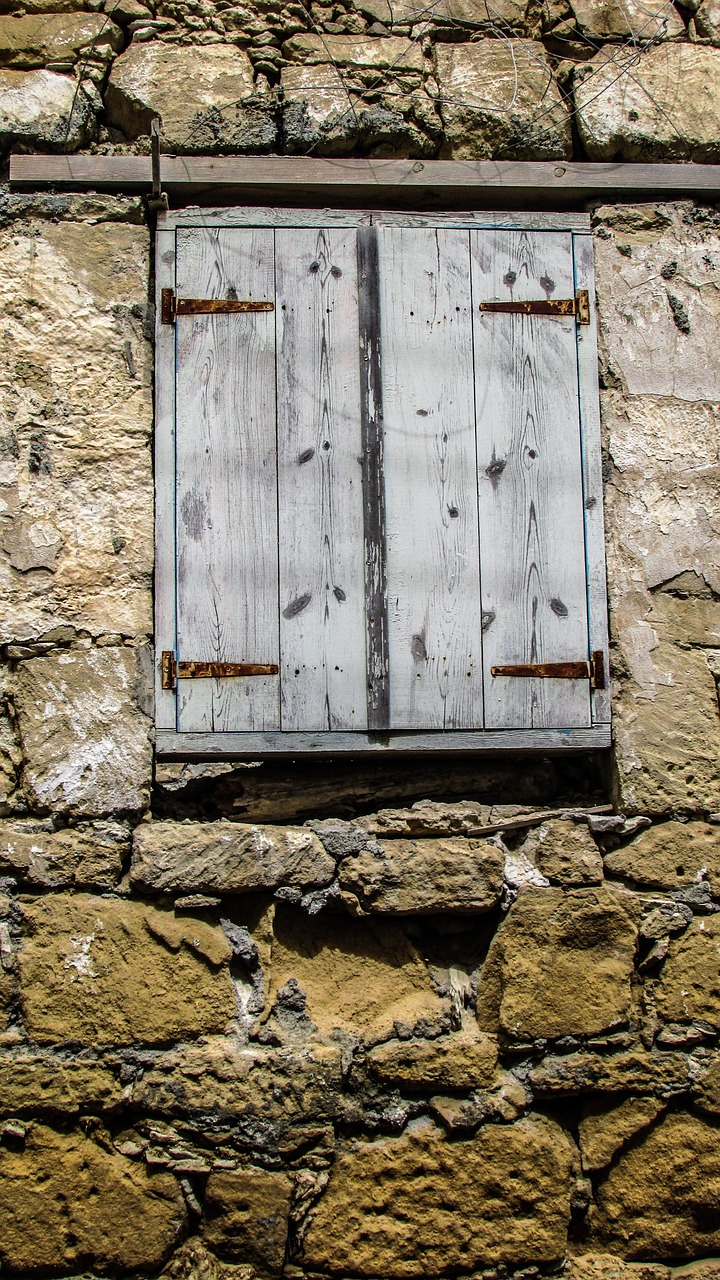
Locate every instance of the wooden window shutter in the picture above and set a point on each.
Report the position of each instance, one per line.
(379, 507)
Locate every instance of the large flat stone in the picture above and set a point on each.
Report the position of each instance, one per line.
(513, 14)
(405, 876)
(86, 743)
(245, 1217)
(40, 108)
(208, 114)
(689, 985)
(89, 855)
(499, 100)
(420, 1205)
(465, 1060)
(67, 1203)
(102, 971)
(668, 109)
(226, 857)
(357, 52)
(324, 114)
(43, 1082)
(670, 855)
(31, 41)
(76, 390)
(560, 964)
(618, 19)
(630, 1071)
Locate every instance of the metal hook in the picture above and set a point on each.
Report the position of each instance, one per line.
(158, 199)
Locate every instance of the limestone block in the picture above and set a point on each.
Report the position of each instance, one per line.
(193, 1261)
(669, 855)
(358, 52)
(363, 978)
(661, 1198)
(317, 105)
(209, 111)
(565, 853)
(503, 14)
(226, 857)
(91, 854)
(42, 108)
(32, 1082)
(689, 986)
(33, 41)
(323, 114)
(67, 1203)
(76, 395)
(86, 743)
(605, 1266)
(104, 971)
(466, 1060)
(668, 109)
(498, 100)
(603, 1133)
(400, 877)
(419, 1205)
(245, 1217)
(571, 1074)
(559, 965)
(618, 19)
(707, 21)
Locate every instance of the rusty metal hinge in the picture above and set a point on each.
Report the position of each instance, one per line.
(579, 306)
(594, 670)
(172, 307)
(171, 670)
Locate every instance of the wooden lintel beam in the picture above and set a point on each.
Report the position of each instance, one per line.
(287, 179)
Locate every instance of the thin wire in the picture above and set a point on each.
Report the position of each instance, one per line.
(81, 67)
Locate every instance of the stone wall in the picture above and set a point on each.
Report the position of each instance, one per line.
(441, 1019)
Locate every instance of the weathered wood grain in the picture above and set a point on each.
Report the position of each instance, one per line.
(251, 215)
(198, 746)
(373, 479)
(165, 550)
(320, 501)
(227, 602)
(432, 526)
(532, 538)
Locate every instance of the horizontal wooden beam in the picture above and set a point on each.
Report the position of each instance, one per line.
(191, 746)
(286, 179)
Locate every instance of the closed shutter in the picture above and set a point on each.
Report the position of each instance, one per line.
(384, 491)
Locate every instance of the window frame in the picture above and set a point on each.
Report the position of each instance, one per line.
(173, 744)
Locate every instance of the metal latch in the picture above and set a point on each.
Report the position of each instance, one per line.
(579, 306)
(594, 670)
(172, 307)
(171, 670)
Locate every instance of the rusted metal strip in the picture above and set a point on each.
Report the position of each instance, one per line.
(173, 307)
(594, 670)
(578, 306)
(173, 671)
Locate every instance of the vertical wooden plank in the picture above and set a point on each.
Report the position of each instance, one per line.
(592, 473)
(320, 503)
(435, 643)
(165, 700)
(371, 416)
(226, 480)
(532, 539)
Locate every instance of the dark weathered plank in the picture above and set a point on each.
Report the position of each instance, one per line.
(371, 427)
(189, 746)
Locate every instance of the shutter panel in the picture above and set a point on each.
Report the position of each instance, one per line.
(532, 536)
(227, 541)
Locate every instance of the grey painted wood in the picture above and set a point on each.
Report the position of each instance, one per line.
(322, 587)
(165, 552)
(592, 473)
(373, 478)
(227, 543)
(435, 647)
(532, 537)
(189, 746)
(258, 216)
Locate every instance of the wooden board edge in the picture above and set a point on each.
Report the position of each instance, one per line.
(164, 445)
(189, 746)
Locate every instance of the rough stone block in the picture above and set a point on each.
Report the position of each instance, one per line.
(245, 1217)
(401, 877)
(670, 855)
(67, 1203)
(103, 971)
(565, 854)
(559, 965)
(668, 109)
(618, 19)
(227, 857)
(467, 1060)
(707, 21)
(603, 1133)
(362, 978)
(661, 1198)
(209, 113)
(605, 1266)
(357, 52)
(328, 116)
(86, 743)
(499, 100)
(193, 1261)
(689, 986)
(511, 14)
(636, 1070)
(34, 1083)
(76, 387)
(419, 1205)
(90, 855)
(39, 108)
(32, 41)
